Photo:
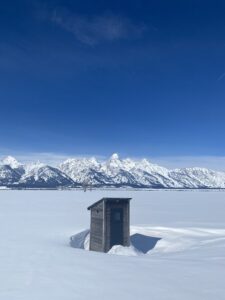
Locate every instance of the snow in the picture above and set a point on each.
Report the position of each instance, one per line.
(157, 240)
(44, 175)
(114, 172)
(120, 250)
(79, 168)
(11, 161)
(80, 240)
(114, 157)
(139, 173)
(186, 262)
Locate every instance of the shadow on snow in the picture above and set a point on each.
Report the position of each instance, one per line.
(142, 243)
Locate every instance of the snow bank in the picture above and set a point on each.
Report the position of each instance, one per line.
(140, 244)
(157, 240)
(128, 251)
(37, 262)
(173, 240)
(80, 240)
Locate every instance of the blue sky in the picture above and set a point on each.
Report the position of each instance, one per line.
(142, 78)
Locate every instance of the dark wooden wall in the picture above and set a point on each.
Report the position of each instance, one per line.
(96, 230)
(100, 239)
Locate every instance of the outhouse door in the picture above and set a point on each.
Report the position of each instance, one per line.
(116, 226)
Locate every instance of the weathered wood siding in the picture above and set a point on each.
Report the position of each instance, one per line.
(96, 228)
(100, 239)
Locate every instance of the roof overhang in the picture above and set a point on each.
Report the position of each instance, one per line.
(108, 200)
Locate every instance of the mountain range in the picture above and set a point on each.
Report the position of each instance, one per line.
(113, 172)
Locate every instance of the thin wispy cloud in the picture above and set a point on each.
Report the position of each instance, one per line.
(92, 30)
(221, 77)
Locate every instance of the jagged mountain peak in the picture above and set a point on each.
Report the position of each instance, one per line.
(42, 175)
(146, 165)
(34, 166)
(114, 156)
(11, 161)
(145, 161)
(81, 159)
(79, 164)
(113, 172)
(114, 161)
(112, 166)
(129, 164)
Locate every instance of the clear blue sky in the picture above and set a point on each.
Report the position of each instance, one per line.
(143, 78)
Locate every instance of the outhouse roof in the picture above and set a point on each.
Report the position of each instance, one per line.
(108, 200)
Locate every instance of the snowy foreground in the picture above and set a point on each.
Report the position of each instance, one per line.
(187, 261)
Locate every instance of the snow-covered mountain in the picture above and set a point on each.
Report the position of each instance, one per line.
(198, 178)
(14, 164)
(114, 172)
(83, 170)
(8, 176)
(138, 173)
(40, 175)
(36, 175)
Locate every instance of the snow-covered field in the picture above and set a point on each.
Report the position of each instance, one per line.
(37, 263)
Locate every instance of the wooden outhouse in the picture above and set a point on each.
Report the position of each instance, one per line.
(110, 223)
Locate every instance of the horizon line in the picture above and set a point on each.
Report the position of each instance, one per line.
(212, 162)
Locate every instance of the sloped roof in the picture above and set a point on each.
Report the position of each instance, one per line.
(108, 200)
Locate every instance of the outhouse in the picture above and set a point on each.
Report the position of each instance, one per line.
(110, 223)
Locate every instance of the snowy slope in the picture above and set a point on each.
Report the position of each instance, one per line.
(38, 263)
(8, 176)
(142, 173)
(82, 170)
(36, 175)
(14, 164)
(198, 178)
(113, 172)
(40, 175)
